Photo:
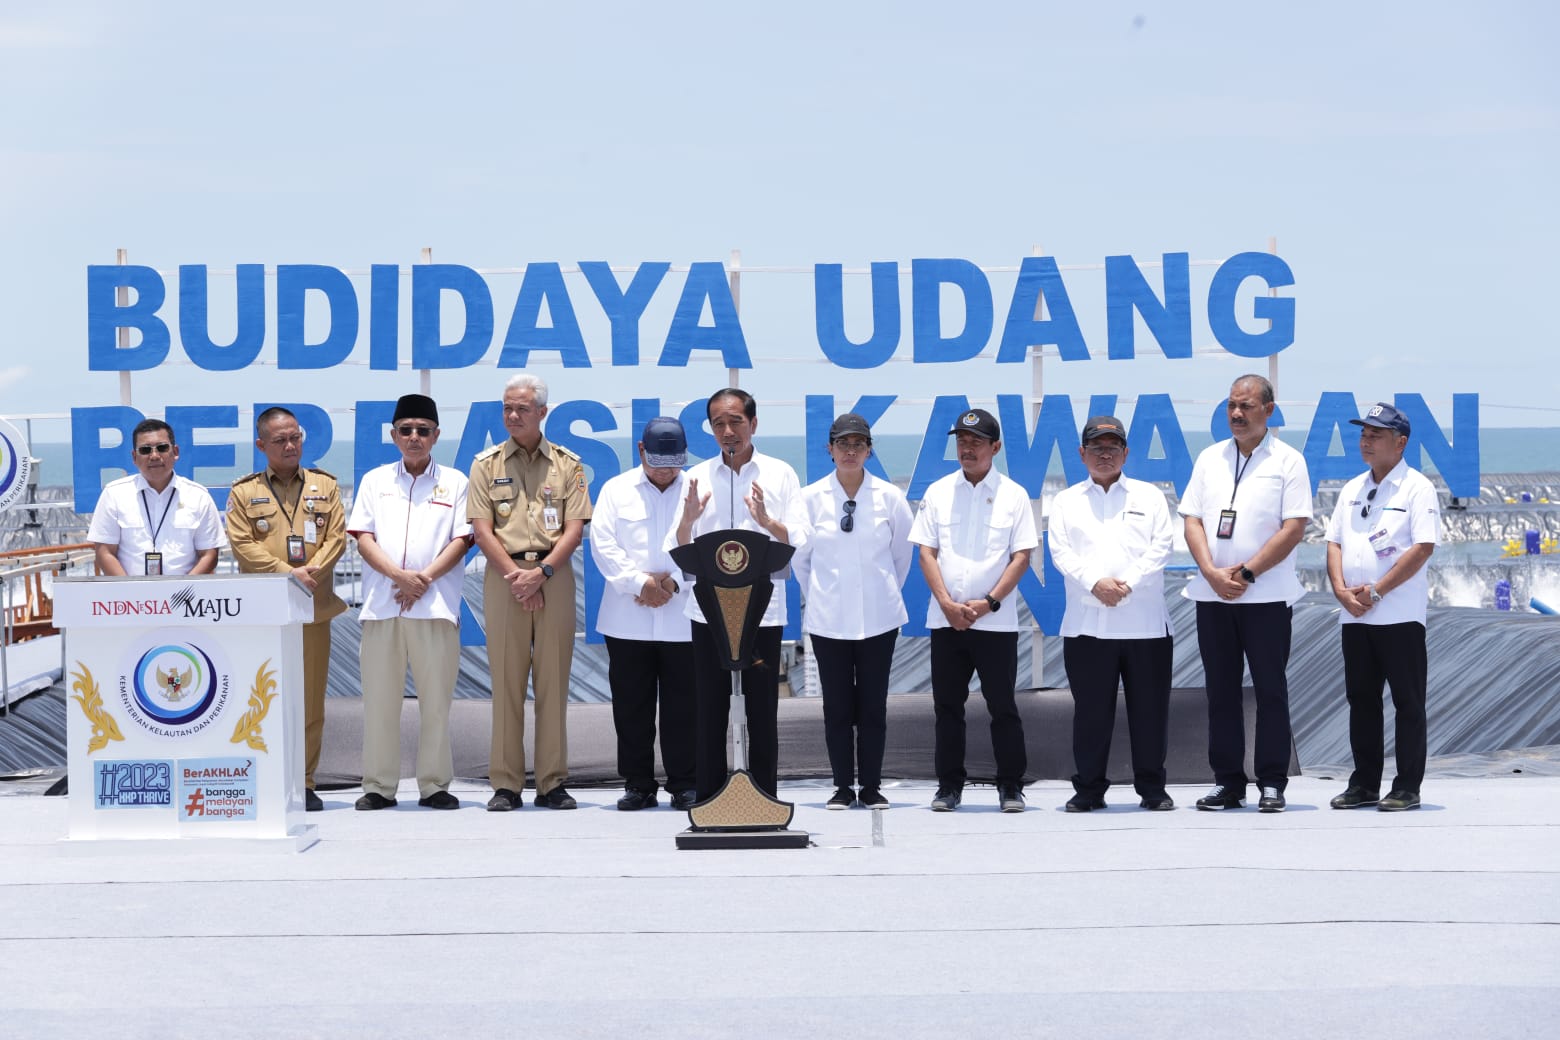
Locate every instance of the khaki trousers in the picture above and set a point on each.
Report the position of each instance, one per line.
(316, 669)
(539, 645)
(431, 647)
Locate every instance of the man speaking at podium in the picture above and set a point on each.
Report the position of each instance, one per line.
(744, 489)
(155, 522)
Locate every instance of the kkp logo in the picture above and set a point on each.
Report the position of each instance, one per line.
(171, 685)
(15, 465)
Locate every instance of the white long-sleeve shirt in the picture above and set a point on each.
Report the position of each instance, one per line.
(628, 541)
(1122, 532)
(851, 580)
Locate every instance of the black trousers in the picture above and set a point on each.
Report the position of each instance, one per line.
(853, 675)
(1142, 667)
(645, 674)
(760, 687)
(1232, 637)
(956, 657)
(1395, 655)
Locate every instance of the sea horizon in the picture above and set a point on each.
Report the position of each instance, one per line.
(1512, 450)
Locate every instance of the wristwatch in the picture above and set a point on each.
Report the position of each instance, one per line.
(1375, 594)
(1247, 576)
(993, 602)
(547, 570)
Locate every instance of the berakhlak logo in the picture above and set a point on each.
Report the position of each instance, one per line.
(15, 465)
(171, 685)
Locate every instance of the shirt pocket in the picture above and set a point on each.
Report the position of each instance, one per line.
(999, 538)
(506, 503)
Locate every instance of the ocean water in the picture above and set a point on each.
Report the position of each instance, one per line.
(1501, 450)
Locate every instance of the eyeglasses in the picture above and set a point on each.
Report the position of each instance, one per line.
(420, 431)
(1369, 498)
(848, 521)
(854, 445)
(146, 449)
(1104, 451)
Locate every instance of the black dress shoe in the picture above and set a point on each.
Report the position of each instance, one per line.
(1355, 798)
(1399, 801)
(439, 800)
(557, 798)
(634, 799)
(1160, 803)
(1084, 803)
(682, 801)
(373, 801)
(311, 801)
(504, 800)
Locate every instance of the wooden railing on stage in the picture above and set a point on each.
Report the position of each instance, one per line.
(28, 609)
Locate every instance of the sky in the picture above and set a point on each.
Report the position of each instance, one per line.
(1402, 156)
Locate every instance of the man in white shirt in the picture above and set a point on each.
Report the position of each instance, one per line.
(409, 519)
(976, 530)
(155, 522)
(1110, 538)
(1384, 528)
(747, 490)
(649, 642)
(1245, 510)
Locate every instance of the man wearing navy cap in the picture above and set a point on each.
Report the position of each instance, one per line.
(1111, 538)
(1384, 528)
(649, 639)
(976, 530)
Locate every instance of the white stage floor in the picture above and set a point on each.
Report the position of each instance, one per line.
(416, 923)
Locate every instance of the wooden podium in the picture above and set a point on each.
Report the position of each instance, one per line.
(185, 710)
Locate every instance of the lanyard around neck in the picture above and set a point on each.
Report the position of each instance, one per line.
(148, 510)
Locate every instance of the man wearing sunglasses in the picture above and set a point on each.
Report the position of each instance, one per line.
(409, 519)
(1384, 528)
(287, 519)
(155, 522)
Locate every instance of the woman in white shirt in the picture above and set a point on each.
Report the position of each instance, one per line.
(851, 570)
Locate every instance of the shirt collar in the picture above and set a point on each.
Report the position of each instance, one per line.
(543, 450)
(141, 484)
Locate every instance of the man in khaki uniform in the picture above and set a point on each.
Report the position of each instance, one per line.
(286, 519)
(528, 506)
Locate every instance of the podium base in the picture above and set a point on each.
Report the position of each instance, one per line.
(297, 839)
(768, 839)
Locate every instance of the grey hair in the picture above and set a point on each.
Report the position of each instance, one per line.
(526, 381)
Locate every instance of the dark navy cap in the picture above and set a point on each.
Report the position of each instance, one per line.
(665, 443)
(1386, 417)
(849, 425)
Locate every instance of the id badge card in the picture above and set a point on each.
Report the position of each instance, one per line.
(311, 532)
(154, 563)
(295, 549)
(550, 518)
(1226, 523)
